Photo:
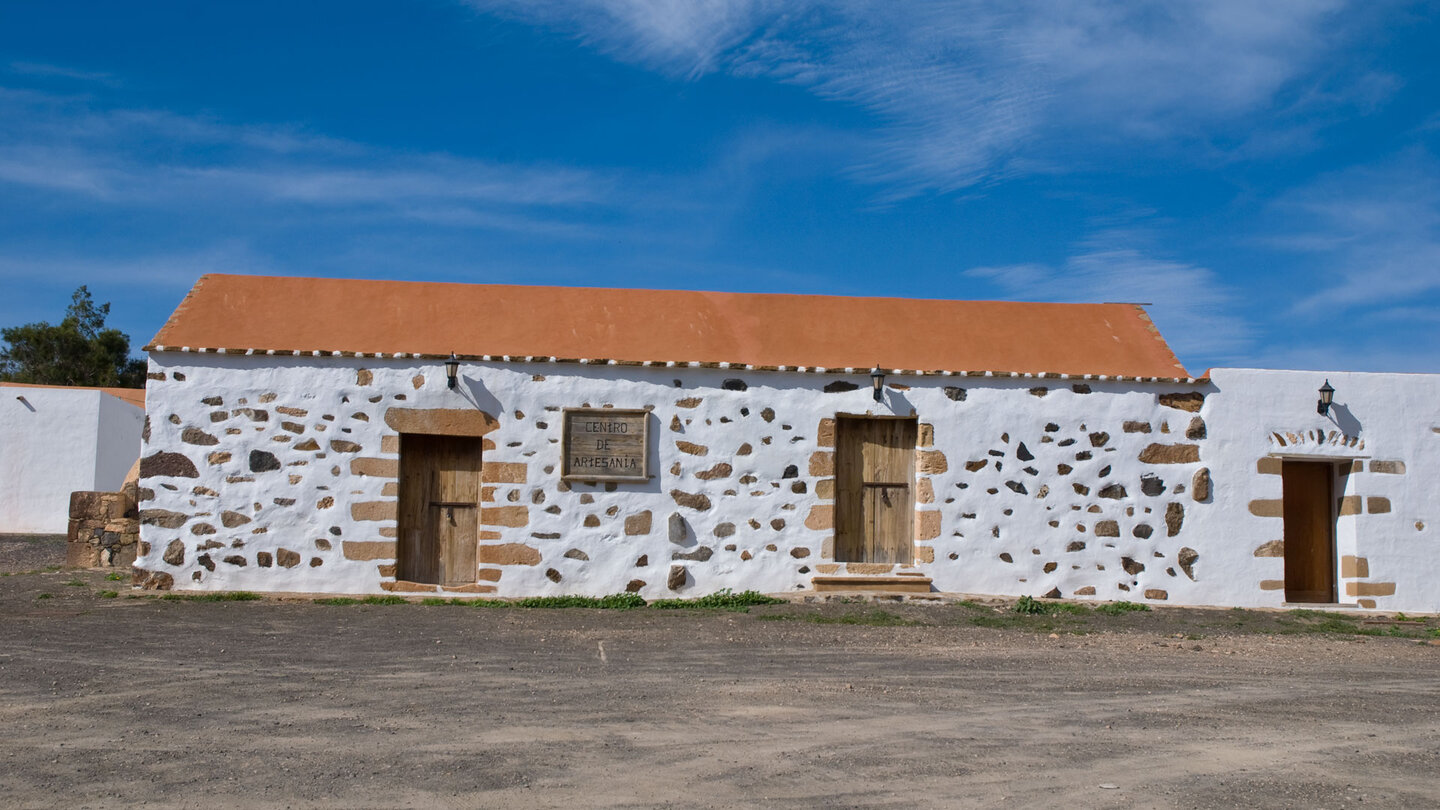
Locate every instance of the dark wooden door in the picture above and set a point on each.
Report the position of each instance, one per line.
(874, 490)
(1309, 531)
(439, 508)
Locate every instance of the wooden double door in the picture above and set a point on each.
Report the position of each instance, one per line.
(1308, 509)
(439, 516)
(875, 489)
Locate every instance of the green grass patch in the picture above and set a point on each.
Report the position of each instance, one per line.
(75, 583)
(720, 600)
(363, 600)
(615, 601)
(873, 618)
(1121, 608)
(108, 594)
(45, 596)
(1030, 606)
(226, 596)
(114, 576)
(53, 567)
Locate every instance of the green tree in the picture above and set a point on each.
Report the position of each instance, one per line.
(77, 351)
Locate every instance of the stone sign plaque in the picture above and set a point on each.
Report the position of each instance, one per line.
(606, 444)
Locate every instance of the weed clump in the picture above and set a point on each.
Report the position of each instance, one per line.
(720, 600)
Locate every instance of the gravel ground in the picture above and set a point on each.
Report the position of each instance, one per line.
(29, 552)
(127, 700)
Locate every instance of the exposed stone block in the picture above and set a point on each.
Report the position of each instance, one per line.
(1388, 467)
(380, 467)
(1272, 584)
(1112, 491)
(1170, 453)
(721, 470)
(1107, 528)
(1131, 566)
(677, 578)
(1156, 594)
(1136, 427)
(699, 554)
(373, 510)
(698, 502)
(1269, 466)
(1174, 518)
(1200, 485)
(401, 586)
(174, 553)
(1349, 505)
(1185, 401)
(202, 529)
(577, 554)
(822, 463)
(513, 516)
(955, 394)
(1351, 567)
(163, 518)
(1196, 430)
(927, 524)
(692, 449)
(924, 491)
(230, 519)
(980, 464)
(373, 550)
(1186, 558)
(171, 465)
(1377, 505)
(1369, 589)
(634, 585)
(592, 521)
(1267, 507)
(507, 554)
(825, 489)
(1274, 548)
(928, 462)
(638, 524)
(440, 421)
(504, 472)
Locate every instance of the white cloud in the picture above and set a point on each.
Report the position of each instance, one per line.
(1192, 308)
(968, 90)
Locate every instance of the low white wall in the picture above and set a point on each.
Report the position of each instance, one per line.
(47, 451)
(1387, 426)
(117, 442)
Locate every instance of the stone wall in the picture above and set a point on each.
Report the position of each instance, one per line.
(280, 473)
(104, 529)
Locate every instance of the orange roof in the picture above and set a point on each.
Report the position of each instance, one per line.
(134, 396)
(343, 315)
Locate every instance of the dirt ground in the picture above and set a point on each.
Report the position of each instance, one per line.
(127, 700)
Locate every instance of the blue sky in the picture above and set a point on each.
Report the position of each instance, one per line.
(1266, 175)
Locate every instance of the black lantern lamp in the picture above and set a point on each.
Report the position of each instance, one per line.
(877, 381)
(452, 371)
(1327, 396)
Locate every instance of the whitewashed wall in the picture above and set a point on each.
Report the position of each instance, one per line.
(1386, 425)
(54, 441)
(1024, 528)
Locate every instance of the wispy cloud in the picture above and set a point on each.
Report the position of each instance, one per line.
(1370, 235)
(139, 157)
(1192, 307)
(970, 90)
(63, 72)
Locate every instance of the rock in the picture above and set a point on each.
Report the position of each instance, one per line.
(1274, 548)
(1017, 487)
(1099, 438)
(1174, 518)
(840, 386)
(1023, 453)
(677, 577)
(553, 575)
(163, 518)
(1187, 401)
(734, 385)
(1076, 545)
(236, 560)
(1049, 568)
(791, 471)
(264, 559)
(638, 524)
(688, 402)
(1136, 427)
(1152, 484)
(1107, 528)
(800, 553)
(262, 461)
(1142, 531)
(192, 435)
(1196, 430)
(1131, 566)
(1112, 491)
(1005, 557)
(777, 524)
(1053, 593)
(976, 466)
(700, 554)
(174, 553)
(1157, 594)
(172, 465)
(1170, 453)
(724, 529)
(343, 446)
(287, 558)
(634, 585)
(308, 444)
(1200, 485)
(1186, 559)
(202, 529)
(679, 530)
(153, 580)
(690, 448)
(205, 562)
(230, 519)
(954, 393)
(721, 470)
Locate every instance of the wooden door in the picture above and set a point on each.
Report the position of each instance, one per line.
(874, 490)
(439, 508)
(1309, 531)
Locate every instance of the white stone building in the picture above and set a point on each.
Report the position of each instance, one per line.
(303, 436)
(55, 440)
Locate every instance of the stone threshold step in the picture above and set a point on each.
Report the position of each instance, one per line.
(872, 584)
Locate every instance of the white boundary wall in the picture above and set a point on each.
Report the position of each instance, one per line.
(54, 441)
(1100, 502)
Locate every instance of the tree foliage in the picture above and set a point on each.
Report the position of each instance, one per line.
(77, 351)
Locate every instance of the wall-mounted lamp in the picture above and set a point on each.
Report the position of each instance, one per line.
(877, 381)
(452, 371)
(1327, 396)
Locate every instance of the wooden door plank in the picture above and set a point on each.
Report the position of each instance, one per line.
(849, 505)
(1309, 531)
